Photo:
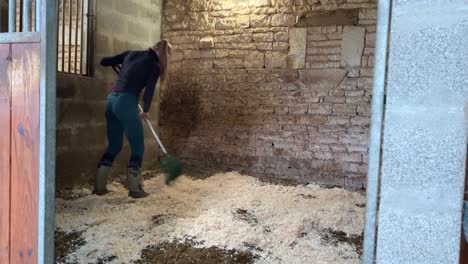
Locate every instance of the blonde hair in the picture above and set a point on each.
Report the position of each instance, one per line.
(163, 48)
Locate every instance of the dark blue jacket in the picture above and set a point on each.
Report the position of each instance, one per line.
(140, 69)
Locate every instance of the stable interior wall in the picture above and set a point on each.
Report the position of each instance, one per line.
(81, 140)
(277, 89)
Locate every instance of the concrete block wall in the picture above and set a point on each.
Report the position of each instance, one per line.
(81, 140)
(425, 134)
(278, 89)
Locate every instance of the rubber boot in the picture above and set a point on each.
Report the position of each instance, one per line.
(135, 184)
(100, 181)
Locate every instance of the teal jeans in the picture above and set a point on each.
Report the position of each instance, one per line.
(123, 116)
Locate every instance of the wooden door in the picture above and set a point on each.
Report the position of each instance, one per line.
(5, 152)
(19, 126)
(27, 134)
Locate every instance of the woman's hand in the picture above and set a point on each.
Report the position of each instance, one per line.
(144, 115)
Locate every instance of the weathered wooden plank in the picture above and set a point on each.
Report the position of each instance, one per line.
(25, 152)
(5, 121)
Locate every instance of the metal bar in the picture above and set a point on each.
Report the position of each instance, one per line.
(4, 26)
(26, 15)
(81, 36)
(57, 33)
(64, 4)
(38, 15)
(1, 15)
(11, 16)
(378, 95)
(90, 41)
(20, 37)
(20, 26)
(76, 33)
(85, 42)
(33, 16)
(46, 209)
(70, 34)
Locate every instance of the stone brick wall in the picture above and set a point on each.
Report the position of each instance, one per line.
(120, 25)
(278, 89)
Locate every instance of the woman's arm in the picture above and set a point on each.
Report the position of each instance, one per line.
(149, 90)
(114, 60)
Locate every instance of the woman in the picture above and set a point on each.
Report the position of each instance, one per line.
(139, 69)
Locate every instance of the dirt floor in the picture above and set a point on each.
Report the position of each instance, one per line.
(226, 218)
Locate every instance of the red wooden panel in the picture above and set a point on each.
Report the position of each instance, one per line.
(24, 152)
(5, 102)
